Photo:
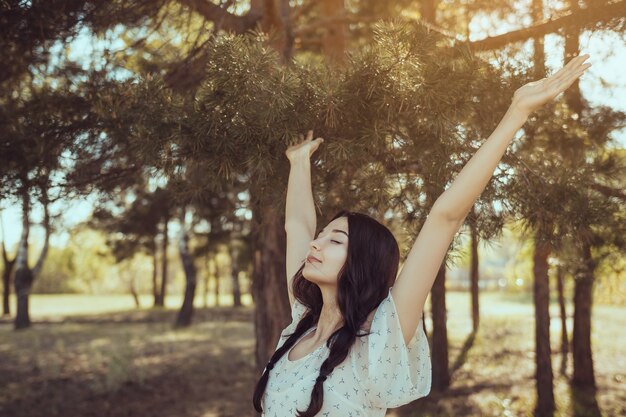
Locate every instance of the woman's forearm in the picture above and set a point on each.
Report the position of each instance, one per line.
(459, 198)
(300, 206)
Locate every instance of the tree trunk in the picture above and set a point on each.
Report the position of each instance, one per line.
(207, 280)
(269, 289)
(6, 280)
(441, 373)
(563, 313)
(572, 95)
(133, 292)
(474, 276)
(234, 262)
(155, 274)
(24, 276)
(22, 318)
(216, 290)
(186, 311)
(581, 343)
(428, 10)
(165, 244)
(539, 56)
(276, 20)
(334, 40)
(543, 360)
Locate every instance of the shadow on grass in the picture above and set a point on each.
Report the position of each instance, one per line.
(443, 404)
(207, 375)
(129, 363)
(180, 391)
(462, 358)
(584, 402)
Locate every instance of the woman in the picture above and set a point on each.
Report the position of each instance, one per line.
(355, 346)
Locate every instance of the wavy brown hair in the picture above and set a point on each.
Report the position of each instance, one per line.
(363, 283)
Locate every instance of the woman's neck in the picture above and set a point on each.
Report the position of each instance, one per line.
(329, 321)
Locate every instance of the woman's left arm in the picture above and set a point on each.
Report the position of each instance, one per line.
(449, 211)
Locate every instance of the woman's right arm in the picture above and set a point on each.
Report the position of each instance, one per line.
(300, 217)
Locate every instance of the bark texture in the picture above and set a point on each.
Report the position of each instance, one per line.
(268, 281)
(584, 375)
(474, 276)
(563, 314)
(185, 313)
(24, 275)
(9, 265)
(440, 361)
(235, 268)
(543, 361)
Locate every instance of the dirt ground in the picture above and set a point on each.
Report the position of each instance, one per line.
(134, 364)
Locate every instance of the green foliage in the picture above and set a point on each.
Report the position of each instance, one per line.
(558, 168)
(59, 270)
(84, 265)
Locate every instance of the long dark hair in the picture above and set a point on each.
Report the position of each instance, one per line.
(363, 283)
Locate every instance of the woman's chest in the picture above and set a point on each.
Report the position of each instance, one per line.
(289, 389)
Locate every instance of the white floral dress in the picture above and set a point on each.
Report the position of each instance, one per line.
(380, 371)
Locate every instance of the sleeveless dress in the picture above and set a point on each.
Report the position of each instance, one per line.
(380, 371)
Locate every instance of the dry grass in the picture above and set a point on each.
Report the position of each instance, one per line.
(132, 363)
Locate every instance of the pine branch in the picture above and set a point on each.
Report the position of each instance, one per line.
(609, 191)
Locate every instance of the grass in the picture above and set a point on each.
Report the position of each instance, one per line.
(57, 306)
(89, 356)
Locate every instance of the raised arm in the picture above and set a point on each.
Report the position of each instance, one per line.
(449, 211)
(300, 217)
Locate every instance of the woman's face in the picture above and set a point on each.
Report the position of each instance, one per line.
(331, 249)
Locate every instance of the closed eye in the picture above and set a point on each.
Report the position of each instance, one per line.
(335, 241)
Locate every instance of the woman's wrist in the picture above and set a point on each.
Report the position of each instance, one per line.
(300, 160)
(516, 114)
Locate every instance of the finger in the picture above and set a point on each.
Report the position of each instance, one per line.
(562, 70)
(309, 135)
(571, 67)
(575, 63)
(300, 137)
(565, 85)
(315, 145)
(575, 74)
(566, 70)
(568, 82)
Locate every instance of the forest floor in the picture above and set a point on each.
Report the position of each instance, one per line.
(133, 363)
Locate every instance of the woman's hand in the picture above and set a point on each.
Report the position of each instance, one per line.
(305, 148)
(531, 96)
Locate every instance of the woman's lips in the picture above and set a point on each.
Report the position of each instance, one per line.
(313, 259)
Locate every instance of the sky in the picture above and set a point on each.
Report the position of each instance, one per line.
(603, 84)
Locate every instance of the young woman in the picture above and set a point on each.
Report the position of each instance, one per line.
(355, 346)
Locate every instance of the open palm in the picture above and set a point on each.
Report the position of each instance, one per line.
(531, 96)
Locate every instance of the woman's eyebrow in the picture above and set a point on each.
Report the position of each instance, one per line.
(337, 230)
